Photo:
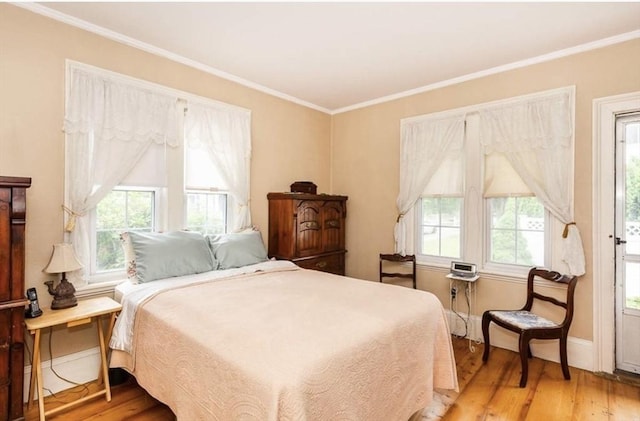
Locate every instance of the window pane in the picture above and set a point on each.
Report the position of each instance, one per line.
(207, 212)
(119, 211)
(503, 213)
(517, 227)
(632, 285)
(440, 226)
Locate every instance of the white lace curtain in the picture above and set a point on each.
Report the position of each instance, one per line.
(109, 126)
(536, 137)
(225, 134)
(424, 145)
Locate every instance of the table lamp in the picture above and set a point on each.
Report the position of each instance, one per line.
(63, 260)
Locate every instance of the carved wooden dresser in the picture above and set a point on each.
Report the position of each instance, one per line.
(309, 230)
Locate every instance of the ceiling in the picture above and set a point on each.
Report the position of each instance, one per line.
(335, 56)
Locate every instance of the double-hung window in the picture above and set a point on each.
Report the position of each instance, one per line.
(493, 185)
(142, 157)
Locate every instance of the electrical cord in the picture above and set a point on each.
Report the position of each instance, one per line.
(85, 388)
(466, 323)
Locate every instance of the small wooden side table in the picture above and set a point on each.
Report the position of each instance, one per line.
(85, 312)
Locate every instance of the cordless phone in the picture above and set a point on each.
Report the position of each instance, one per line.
(33, 310)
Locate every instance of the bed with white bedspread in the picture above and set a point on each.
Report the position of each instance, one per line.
(271, 341)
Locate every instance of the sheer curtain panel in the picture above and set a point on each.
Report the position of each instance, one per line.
(109, 125)
(225, 134)
(536, 136)
(424, 145)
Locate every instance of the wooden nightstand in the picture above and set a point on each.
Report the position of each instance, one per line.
(85, 312)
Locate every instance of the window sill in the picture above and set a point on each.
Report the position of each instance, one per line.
(494, 276)
(97, 289)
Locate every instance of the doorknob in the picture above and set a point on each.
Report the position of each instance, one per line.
(620, 241)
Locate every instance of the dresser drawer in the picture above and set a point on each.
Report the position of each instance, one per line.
(333, 263)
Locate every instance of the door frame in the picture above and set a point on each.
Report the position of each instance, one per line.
(604, 122)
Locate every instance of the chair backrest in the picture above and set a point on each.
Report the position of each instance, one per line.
(398, 259)
(570, 281)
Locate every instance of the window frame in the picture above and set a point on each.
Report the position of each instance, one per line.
(475, 243)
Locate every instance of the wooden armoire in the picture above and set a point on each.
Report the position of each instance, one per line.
(309, 230)
(13, 209)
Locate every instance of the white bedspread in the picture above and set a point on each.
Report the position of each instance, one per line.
(290, 344)
(134, 295)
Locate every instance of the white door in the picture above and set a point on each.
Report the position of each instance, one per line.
(627, 238)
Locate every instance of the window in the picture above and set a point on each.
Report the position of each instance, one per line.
(465, 198)
(503, 226)
(169, 161)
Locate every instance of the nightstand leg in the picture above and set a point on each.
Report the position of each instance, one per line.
(103, 356)
(39, 378)
(35, 356)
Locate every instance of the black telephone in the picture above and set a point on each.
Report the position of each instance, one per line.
(34, 308)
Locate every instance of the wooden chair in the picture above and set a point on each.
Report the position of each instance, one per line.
(397, 258)
(531, 326)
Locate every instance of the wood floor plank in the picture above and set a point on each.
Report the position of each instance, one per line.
(479, 391)
(552, 395)
(592, 398)
(621, 401)
(510, 401)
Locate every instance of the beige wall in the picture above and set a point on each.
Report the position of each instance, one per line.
(290, 142)
(365, 162)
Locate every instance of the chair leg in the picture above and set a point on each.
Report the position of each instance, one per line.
(524, 354)
(486, 319)
(563, 357)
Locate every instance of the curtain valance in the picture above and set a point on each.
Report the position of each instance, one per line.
(115, 110)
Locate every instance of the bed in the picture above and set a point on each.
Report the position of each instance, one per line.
(268, 340)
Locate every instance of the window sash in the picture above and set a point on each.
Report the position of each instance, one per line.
(438, 228)
(520, 234)
(96, 275)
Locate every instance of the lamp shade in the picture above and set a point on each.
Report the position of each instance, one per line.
(63, 259)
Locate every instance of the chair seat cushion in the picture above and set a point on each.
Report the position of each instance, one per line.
(522, 319)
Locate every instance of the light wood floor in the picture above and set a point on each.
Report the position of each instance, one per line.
(488, 392)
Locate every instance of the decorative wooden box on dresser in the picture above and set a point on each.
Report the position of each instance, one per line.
(308, 229)
(13, 209)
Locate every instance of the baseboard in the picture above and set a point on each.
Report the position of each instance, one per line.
(80, 367)
(579, 351)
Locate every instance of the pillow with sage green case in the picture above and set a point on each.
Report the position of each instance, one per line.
(165, 255)
(236, 250)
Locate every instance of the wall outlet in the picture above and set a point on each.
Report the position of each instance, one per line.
(454, 292)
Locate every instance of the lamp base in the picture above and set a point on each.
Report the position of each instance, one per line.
(60, 303)
(63, 294)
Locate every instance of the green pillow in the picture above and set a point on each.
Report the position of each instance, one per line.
(237, 249)
(170, 254)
